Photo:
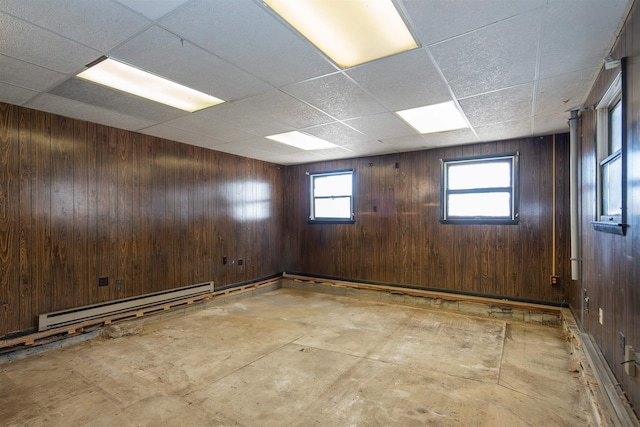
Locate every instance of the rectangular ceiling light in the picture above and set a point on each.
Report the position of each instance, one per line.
(124, 77)
(435, 118)
(301, 140)
(349, 32)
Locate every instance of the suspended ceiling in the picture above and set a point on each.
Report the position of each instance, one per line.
(515, 68)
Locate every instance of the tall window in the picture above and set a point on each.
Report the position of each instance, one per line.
(610, 143)
(331, 197)
(480, 190)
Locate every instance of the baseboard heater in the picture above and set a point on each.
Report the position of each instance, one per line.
(64, 318)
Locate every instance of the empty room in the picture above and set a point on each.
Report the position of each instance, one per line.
(319, 212)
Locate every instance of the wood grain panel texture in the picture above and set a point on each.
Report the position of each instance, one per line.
(610, 267)
(79, 201)
(397, 237)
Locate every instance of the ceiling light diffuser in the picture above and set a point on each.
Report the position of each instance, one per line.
(435, 118)
(301, 140)
(124, 77)
(349, 32)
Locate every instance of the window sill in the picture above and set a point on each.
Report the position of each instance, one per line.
(331, 221)
(481, 221)
(609, 227)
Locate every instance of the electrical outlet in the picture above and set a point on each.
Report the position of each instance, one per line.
(119, 283)
(240, 261)
(224, 260)
(103, 281)
(555, 280)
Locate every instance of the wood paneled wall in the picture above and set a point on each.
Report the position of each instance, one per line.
(402, 241)
(80, 201)
(610, 268)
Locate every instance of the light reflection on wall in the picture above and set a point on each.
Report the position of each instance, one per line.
(248, 200)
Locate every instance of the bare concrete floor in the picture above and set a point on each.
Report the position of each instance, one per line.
(297, 358)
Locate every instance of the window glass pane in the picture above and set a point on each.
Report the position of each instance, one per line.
(479, 175)
(480, 204)
(615, 128)
(612, 187)
(332, 185)
(336, 207)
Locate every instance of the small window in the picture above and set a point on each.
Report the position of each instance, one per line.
(480, 190)
(331, 197)
(610, 143)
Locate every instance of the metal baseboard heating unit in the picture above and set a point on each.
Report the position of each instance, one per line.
(68, 317)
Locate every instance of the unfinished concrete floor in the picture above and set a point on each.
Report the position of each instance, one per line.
(297, 358)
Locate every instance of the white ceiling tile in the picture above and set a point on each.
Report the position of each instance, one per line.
(337, 133)
(91, 113)
(268, 145)
(567, 29)
(285, 109)
(499, 106)
(153, 9)
(200, 124)
(456, 137)
(158, 51)
(337, 96)
(550, 123)
(180, 135)
(244, 33)
(492, 58)
(15, 95)
(251, 151)
(368, 148)
(32, 44)
(29, 76)
(335, 153)
(406, 143)
(402, 81)
(505, 130)
(243, 116)
(438, 20)
(98, 24)
(381, 126)
(515, 67)
(296, 158)
(565, 92)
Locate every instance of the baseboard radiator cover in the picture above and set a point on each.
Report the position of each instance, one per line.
(95, 311)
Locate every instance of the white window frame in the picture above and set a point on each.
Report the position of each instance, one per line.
(513, 190)
(605, 220)
(312, 198)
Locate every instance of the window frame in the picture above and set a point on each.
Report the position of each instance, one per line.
(312, 219)
(614, 95)
(513, 189)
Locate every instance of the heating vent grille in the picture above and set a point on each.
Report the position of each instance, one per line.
(76, 315)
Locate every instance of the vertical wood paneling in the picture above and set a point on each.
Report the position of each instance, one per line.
(127, 198)
(404, 242)
(141, 280)
(106, 210)
(62, 202)
(9, 217)
(609, 267)
(80, 201)
(26, 217)
(89, 282)
(42, 301)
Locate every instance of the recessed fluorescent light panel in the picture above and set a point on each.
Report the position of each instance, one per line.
(124, 77)
(349, 32)
(435, 118)
(301, 140)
